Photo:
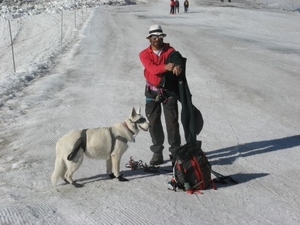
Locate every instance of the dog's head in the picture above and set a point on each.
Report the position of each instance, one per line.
(137, 122)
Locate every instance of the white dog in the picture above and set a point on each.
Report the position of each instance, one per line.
(108, 143)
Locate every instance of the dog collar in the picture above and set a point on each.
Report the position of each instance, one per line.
(125, 124)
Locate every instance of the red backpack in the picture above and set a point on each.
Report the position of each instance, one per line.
(192, 170)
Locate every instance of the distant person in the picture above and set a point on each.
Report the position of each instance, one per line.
(161, 91)
(177, 6)
(186, 5)
(172, 5)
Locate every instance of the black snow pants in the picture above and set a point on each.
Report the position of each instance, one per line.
(153, 112)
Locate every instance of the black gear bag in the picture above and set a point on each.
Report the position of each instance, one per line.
(191, 170)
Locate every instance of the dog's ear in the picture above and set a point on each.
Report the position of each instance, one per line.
(139, 111)
(133, 112)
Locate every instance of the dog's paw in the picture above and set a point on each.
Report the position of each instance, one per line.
(121, 178)
(112, 176)
(77, 185)
(66, 181)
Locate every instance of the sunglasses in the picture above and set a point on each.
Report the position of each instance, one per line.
(153, 37)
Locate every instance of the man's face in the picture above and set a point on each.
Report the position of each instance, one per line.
(156, 41)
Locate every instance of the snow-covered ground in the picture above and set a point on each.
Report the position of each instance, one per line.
(243, 71)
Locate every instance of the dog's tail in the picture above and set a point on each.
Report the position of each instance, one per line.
(59, 170)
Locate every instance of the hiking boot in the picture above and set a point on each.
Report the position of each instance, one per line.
(157, 159)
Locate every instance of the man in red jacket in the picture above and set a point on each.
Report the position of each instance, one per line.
(161, 92)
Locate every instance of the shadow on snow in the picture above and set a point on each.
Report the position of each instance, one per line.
(229, 155)
(224, 156)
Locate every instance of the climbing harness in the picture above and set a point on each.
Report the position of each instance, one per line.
(160, 95)
(80, 143)
(134, 165)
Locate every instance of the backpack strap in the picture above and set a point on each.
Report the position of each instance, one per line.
(180, 178)
(222, 179)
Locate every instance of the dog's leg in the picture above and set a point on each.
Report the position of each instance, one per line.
(69, 180)
(74, 183)
(115, 164)
(59, 170)
(77, 185)
(65, 180)
(116, 167)
(71, 168)
(109, 168)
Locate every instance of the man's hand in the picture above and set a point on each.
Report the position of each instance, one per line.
(177, 70)
(169, 67)
(172, 67)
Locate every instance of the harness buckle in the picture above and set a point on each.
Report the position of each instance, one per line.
(160, 97)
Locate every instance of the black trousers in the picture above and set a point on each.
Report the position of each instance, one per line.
(153, 112)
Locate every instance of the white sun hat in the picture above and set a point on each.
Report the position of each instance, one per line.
(156, 30)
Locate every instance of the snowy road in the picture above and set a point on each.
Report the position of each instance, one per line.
(243, 72)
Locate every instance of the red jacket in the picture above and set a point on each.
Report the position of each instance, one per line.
(155, 65)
